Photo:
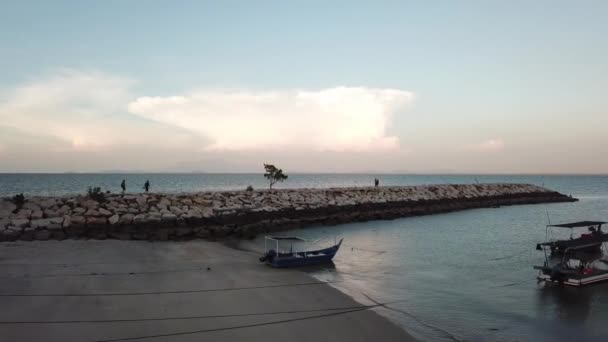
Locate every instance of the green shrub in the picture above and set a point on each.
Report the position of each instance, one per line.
(19, 201)
(96, 194)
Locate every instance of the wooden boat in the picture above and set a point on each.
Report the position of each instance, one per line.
(297, 254)
(577, 261)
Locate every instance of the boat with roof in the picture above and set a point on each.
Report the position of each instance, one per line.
(576, 261)
(292, 251)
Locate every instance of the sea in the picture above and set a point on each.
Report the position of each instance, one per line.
(461, 276)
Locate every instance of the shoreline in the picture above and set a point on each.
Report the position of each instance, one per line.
(121, 266)
(245, 214)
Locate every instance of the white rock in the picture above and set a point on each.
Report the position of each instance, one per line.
(114, 219)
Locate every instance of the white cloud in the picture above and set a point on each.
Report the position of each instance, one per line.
(85, 110)
(334, 119)
(492, 145)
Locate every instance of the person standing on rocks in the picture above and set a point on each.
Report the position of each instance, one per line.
(376, 182)
(147, 185)
(123, 186)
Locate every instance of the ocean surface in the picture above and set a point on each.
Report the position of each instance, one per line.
(463, 276)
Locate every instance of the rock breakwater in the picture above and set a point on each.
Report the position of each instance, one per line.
(211, 215)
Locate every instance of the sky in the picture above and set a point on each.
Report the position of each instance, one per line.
(311, 86)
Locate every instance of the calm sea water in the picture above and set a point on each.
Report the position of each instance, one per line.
(458, 276)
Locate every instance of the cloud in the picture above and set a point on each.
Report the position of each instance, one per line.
(492, 145)
(333, 119)
(84, 110)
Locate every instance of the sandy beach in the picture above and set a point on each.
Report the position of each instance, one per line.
(164, 291)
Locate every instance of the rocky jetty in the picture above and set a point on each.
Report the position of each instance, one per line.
(245, 213)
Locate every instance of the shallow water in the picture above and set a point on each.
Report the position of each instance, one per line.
(459, 276)
(468, 275)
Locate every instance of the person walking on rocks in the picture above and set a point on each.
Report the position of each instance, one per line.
(376, 182)
(147, 185)
(123, 186)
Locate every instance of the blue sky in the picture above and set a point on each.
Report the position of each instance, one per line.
(477, 86)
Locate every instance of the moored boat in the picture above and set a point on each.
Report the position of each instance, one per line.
(575, 261)
(298, 254)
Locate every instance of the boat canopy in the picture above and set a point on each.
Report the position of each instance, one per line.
(286, 238)
(578, 224)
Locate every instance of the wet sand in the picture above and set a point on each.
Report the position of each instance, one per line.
(124, 280)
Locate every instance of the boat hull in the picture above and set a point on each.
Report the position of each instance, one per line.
(575, 281)
(318, 257)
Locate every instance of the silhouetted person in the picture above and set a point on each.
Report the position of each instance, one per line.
(123, 186)
(376, 182)
(147, 185)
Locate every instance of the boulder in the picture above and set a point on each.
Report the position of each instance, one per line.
(20, 222)
(36, 214)
(176, 211)
(163, 203)
(94, 220)
(48, 203)
(207, 212)
(153, 217)
(52, 213)
(6, 208)
(104, 212)
(169, 217)
(139, 218)
(114, 219)
(40, 223)
(142, 201)
(4, 223)
(90, 204)
(92, 212)
(126, 218)
(79, 210)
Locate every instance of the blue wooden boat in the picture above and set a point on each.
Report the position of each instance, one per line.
(297, 254)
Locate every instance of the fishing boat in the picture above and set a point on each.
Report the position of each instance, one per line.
(575, 268)
(575, 261)
(277, 254)
(590, 241)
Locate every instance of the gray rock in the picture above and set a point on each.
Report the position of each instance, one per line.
(153, 217)
(90, 204)
(48, 203)
(104, 212)
(142, 201)
(92, 212)
(126, 218)
(114, 219)
(40, 223)
(4, 223)
(64, 210)
(169, 217)
(37, 214)
(139, 218)
(163, 203)
(51, 213)
(79, 210)
(20, 222)
(176, 211)
(6, 208)
(77, 221)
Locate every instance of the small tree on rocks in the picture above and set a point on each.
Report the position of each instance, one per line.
(273, 174)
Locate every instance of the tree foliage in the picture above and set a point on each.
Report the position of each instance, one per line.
(273, 174)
